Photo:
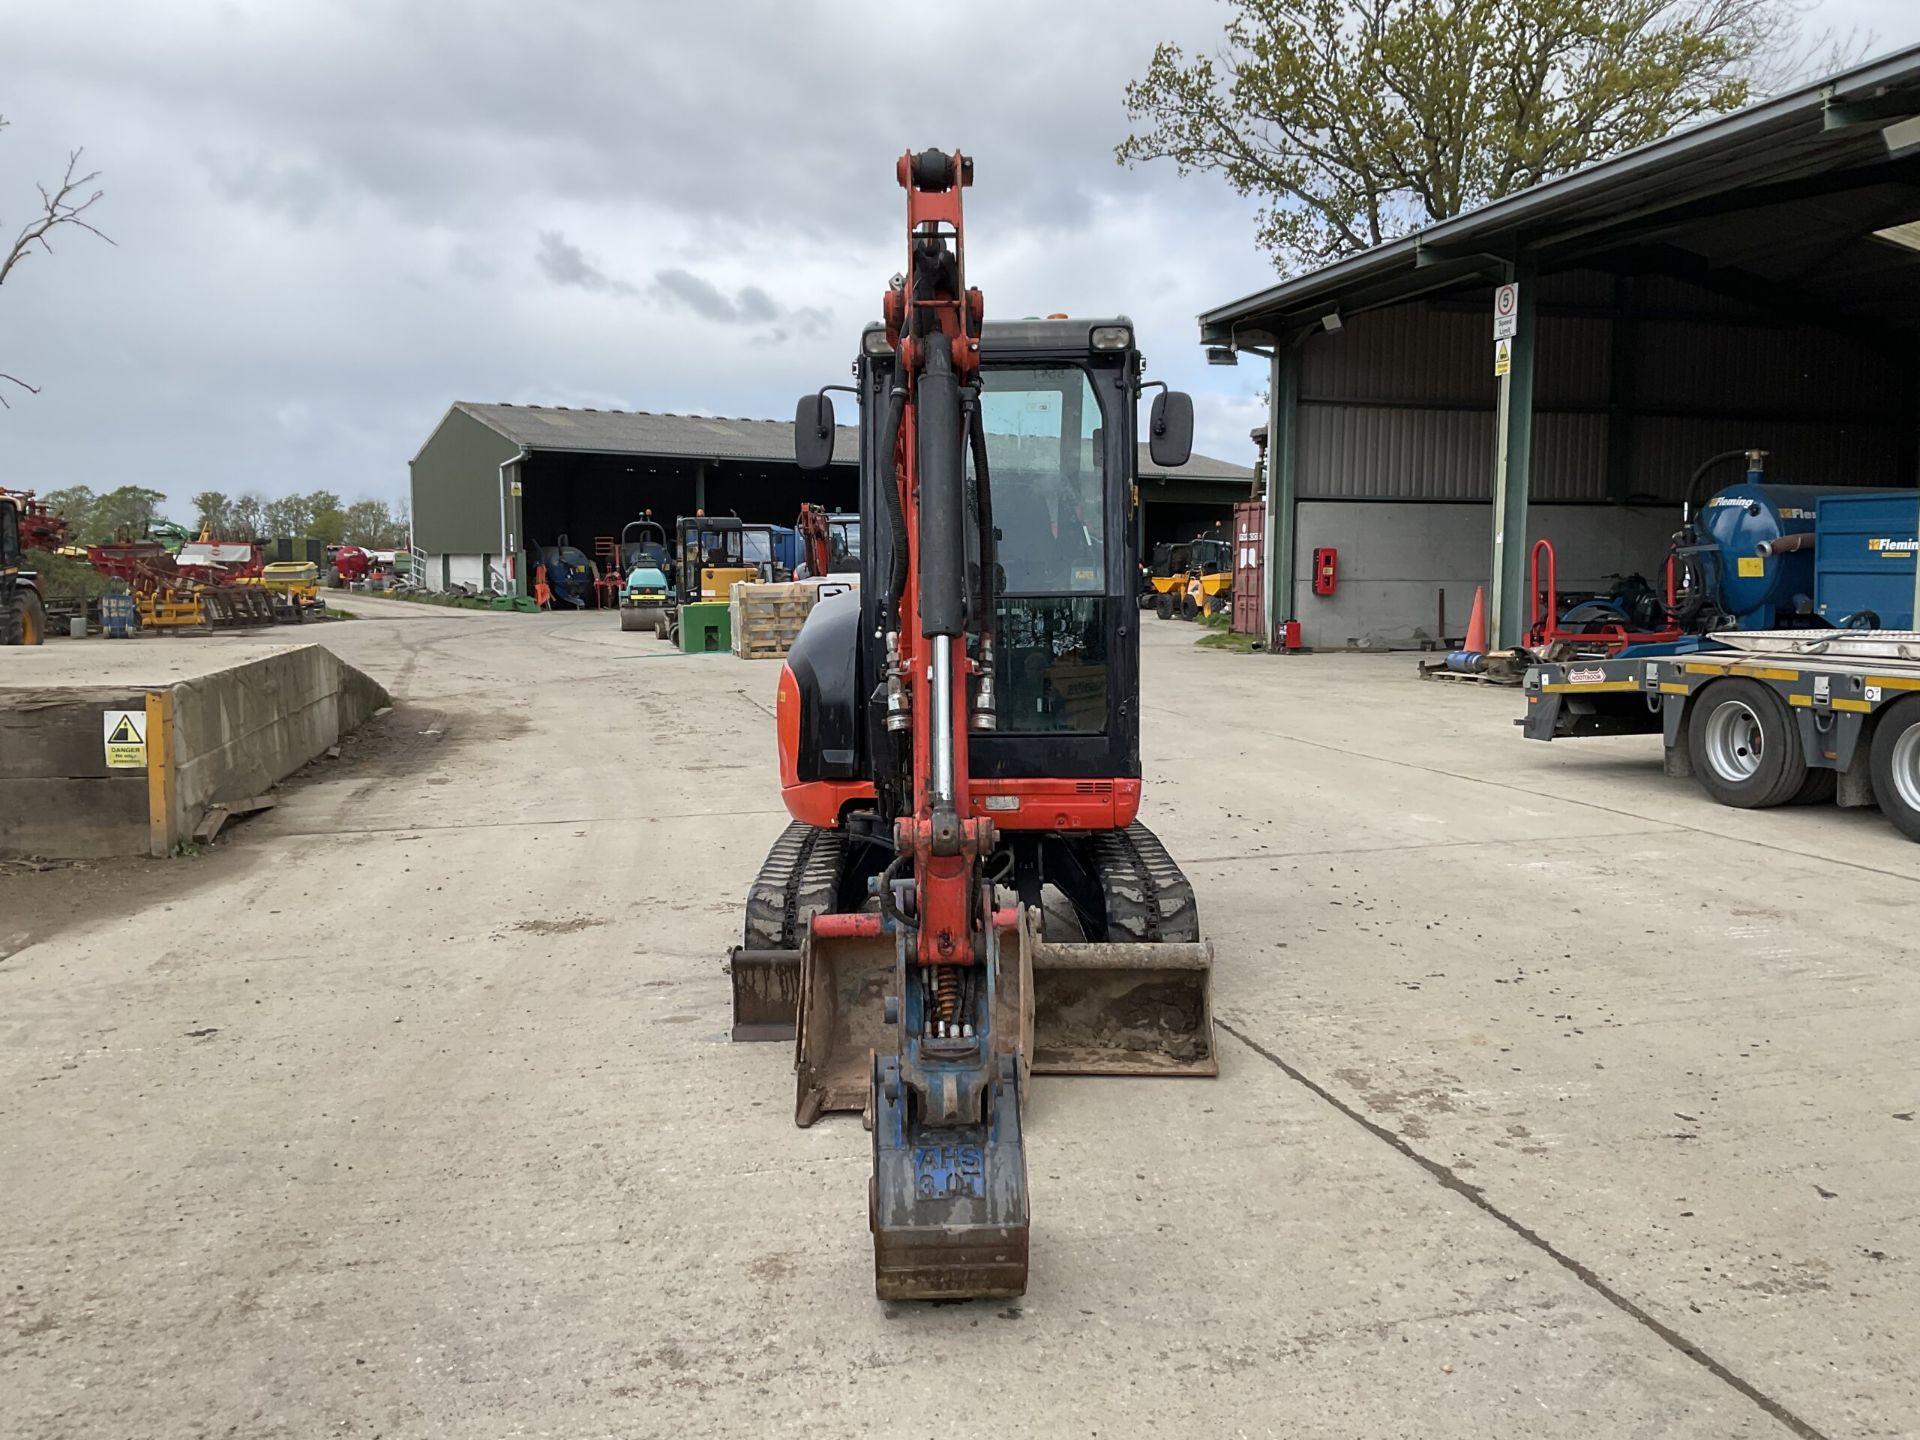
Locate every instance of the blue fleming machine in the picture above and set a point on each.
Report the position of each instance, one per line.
(1863, 558)
(1761, 556)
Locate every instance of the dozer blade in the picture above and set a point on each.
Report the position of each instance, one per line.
(1144, 1008)
(766, 993)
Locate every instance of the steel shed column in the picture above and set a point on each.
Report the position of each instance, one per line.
(1283, 436)
(1513, 440)
(700, 487)
(510, 473)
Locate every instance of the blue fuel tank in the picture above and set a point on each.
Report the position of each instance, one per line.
(1763, 591)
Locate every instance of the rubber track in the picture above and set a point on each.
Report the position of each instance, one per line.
(1148, 898)
(799, 880)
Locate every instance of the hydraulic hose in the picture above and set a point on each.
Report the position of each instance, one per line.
(1693, 480)
(893, 872)
(896, 513)
(989, 544)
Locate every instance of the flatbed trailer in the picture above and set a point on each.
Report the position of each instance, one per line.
(1760, 718)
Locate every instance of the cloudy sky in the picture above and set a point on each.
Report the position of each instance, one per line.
(334, 217)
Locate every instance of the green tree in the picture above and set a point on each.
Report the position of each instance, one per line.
(247, 516)
(213, 511)
(1355, 121)
(287, 515)
(370, 523)
(94, 519)
(75, 505)
(325, 519)
(127, 511)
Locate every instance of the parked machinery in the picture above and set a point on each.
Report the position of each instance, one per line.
(1790, 666)
(1166, 577)
(644, 595)
(714, 553)
(830, 543)
(570, 575)
(1189, 579)
(1209, 588)
(25, 524)
(965, 896)
(1755, 556)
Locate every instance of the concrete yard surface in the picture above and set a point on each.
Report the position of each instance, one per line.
(1554, 1100)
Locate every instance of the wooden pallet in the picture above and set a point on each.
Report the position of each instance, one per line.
(1499, 674)
(766, 619)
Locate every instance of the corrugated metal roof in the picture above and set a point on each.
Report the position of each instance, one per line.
(1666, 191)
(1198, 467)
(706, 437)
(645, 432)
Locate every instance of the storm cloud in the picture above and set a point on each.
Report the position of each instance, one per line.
(565, 263)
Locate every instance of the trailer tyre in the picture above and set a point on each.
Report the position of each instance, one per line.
(1896, 766)
(1818, 788)
(1745, 747)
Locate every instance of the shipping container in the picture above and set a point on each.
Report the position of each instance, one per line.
(1250, 568)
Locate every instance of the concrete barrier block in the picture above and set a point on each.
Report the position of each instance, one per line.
(221, 737)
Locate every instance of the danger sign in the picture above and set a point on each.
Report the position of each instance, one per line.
(126, 739)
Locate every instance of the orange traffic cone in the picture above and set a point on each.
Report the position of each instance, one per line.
(1477, 623)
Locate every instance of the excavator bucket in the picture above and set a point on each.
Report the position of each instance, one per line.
(1141, 1008)
(844, 982)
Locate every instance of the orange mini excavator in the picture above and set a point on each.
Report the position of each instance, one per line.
(965, 897)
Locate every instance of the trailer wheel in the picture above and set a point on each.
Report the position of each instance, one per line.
(1745, 747)
(1896, 766)
(1818, 788)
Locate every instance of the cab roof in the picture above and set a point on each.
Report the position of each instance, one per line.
(1034, 333)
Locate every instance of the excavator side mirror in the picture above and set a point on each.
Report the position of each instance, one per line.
(813, 433)
(1170, 430)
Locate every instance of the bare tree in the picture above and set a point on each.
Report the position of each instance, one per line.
(64, 206)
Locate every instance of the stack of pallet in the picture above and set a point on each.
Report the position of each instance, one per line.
(767, 618)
